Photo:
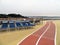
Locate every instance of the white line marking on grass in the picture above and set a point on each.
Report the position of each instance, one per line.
(42, 34)
(30, 34)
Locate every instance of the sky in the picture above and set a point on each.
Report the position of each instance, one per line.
(31, 7)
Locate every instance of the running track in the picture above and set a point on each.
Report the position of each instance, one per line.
(44, 36)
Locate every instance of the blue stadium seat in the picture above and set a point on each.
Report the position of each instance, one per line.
(11, 25)
(4, 26)
(24, 24)
(18, 24)
(29, 24)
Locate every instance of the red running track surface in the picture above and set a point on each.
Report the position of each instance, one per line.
(49, 37)
(46, 39)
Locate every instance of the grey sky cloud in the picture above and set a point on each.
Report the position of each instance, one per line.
(31, 7)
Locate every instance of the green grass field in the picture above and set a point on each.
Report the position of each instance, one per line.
(58, 32)
(12, 38)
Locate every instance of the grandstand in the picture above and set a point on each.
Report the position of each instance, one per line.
(16, 21)
(15, 24)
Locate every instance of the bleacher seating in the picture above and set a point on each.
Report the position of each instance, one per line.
(24, 24)
(4, 26)
(29, 24)
(18, 24)
(11, 25)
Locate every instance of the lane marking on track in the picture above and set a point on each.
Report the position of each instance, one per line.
(31, 34)
(55, 33)
(43, 34)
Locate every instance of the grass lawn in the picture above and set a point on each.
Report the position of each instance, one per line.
(58, 32)
(13, 37)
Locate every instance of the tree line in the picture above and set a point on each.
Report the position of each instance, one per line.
(12, 16)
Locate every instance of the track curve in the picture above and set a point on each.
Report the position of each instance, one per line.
(46, 35)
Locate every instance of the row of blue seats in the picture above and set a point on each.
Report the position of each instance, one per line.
(16, 25)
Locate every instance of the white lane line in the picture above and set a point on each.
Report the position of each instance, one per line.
(55, 33)
(42, 34)
(31, 34)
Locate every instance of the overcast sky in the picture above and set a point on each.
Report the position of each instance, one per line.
(31, 7)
